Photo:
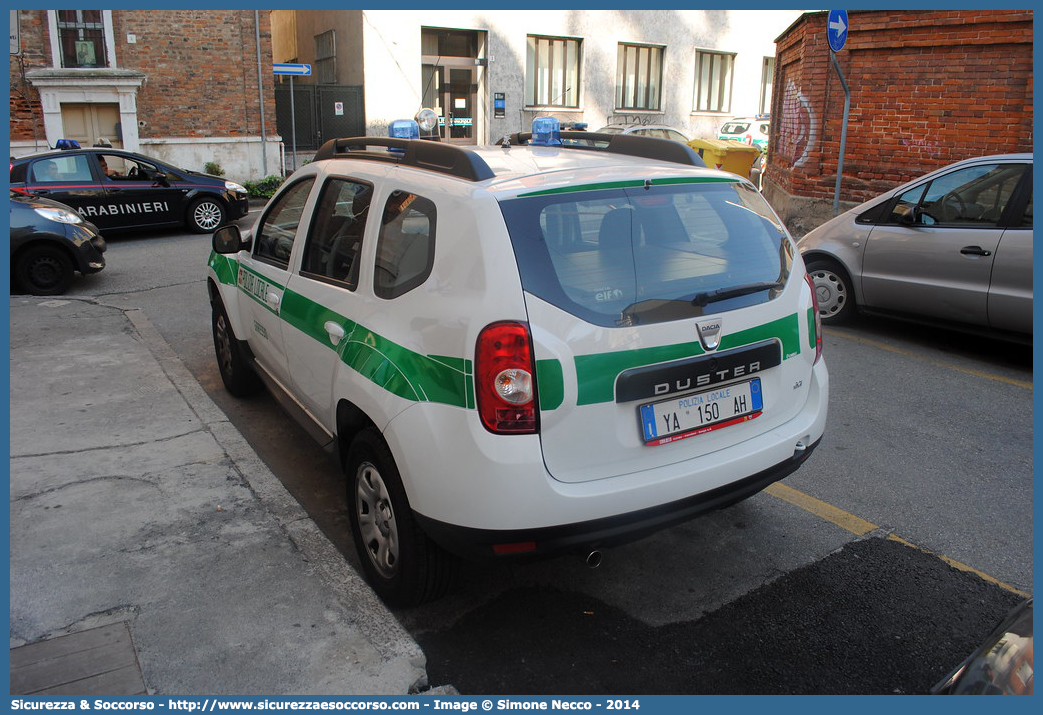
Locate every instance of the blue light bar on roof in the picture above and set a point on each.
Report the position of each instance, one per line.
(546, 131)
(404, 129)
(66, 144)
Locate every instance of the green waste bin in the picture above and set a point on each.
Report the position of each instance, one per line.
(733, 156)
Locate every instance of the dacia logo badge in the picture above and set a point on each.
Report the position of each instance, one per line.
(709, 333)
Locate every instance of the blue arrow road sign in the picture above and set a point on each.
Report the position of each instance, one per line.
(283, 68)
(836, 29)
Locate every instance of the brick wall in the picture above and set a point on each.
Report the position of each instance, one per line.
(201, 68)
(927, 89)
(26, 121)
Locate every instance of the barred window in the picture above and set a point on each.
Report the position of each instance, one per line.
(326, 57)
(552, 71)
(81, 36)
(713, 81)
(639, 77)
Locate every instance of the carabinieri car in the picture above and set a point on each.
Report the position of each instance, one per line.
(50, 243)
(116, 189)
(525, 349)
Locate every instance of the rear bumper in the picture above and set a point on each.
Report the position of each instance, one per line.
(478, 544)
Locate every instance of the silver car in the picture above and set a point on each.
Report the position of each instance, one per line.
(658, 131)
(953, 248)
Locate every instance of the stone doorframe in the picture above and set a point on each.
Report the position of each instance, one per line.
(109, 86)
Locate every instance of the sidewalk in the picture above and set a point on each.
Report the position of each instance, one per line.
(134, 500)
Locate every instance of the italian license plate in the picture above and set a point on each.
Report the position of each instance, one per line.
(700, 412)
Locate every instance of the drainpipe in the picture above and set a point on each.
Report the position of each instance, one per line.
(260, 96)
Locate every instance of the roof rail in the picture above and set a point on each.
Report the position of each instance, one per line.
(644, 147)
(420, 153)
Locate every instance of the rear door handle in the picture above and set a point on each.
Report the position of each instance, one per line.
(273, 299)
(975, 251)
(335, 331)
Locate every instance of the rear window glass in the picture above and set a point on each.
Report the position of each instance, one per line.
(406, 245)
(735, 127)
(636, 256)
(61, 169)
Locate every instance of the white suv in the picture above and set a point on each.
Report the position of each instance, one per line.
(525, 349)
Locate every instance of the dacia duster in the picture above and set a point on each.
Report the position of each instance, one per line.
(523, 349)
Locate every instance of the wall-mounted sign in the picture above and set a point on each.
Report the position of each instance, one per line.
(499, 105)
(16, 45)
(291, 69)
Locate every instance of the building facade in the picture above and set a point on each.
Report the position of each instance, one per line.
(928, 88)
(489, 73)
(186, 86)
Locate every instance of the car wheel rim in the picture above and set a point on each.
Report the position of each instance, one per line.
(830, 292)
(376, 518)
(45, 272)
(224, 346)
(207, 216)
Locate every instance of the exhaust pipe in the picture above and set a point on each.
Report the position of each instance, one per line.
(593, 559)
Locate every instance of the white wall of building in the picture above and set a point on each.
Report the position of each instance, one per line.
(393, 77)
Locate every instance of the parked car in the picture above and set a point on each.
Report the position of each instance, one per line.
(656, 131)
(1001, 665)
(523, 350)
(50, 242)
(953, 247)
(118, 189)
(749, 130)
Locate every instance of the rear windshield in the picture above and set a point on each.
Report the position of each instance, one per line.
(628, 256)
(735, 127)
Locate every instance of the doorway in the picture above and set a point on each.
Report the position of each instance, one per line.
(450, 65)
(87, 123)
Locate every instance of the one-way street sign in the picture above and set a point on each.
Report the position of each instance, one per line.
(836, 29)
(291, 69)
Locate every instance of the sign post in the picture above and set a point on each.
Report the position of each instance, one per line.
(836, 33)
(292, 70)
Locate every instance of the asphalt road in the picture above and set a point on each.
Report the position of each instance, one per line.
(805, 588)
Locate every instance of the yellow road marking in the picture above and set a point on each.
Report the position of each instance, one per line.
(1026, 384)
(860, 527)
(850, 522)
(960, 566)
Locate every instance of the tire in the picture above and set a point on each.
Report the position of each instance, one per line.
(44, 270)
(400, 561)
(238, 376)
(206, 215)
(836, 300)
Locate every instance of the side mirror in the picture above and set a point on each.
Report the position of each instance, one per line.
(161, 179)
(227, 239)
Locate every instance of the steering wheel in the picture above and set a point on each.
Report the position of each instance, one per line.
(136, 173)
(953, 207)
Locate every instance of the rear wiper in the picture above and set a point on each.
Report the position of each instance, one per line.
(702, 299)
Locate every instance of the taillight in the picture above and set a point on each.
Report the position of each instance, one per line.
(505, 382)
(818, 317)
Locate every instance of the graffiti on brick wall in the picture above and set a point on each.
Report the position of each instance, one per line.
(926, 147)
(796, 134)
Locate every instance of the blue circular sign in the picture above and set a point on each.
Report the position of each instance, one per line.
(836, 29)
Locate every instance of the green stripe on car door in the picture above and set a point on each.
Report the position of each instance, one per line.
(400, 371)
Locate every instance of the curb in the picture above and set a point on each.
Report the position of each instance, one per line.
(385, 633)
